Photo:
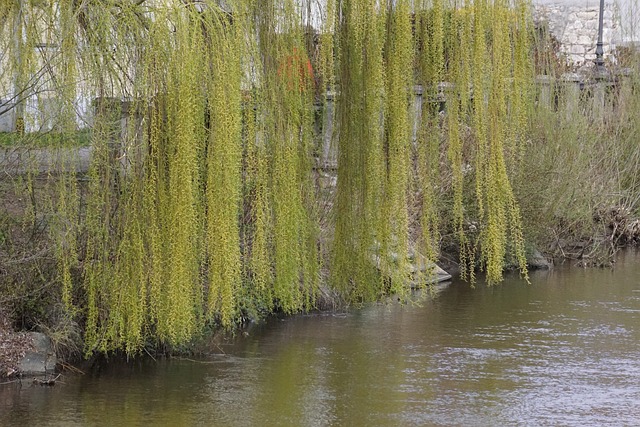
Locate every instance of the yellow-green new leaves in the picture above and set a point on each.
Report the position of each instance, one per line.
(502, 212)
(361, 167)
(200, 205)
(185, 122)
(224, 168)
(286, 110)
(399, 88)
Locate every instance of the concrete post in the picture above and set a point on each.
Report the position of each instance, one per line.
(545, 98)
(329, 158)
(572, 85)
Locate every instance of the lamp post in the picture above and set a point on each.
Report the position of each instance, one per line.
(600, 69)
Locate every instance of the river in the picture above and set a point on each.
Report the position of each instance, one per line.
(564, 350)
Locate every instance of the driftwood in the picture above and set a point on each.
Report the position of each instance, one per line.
(46, 382)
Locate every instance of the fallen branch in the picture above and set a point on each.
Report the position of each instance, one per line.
(71, 368)
(50, 382)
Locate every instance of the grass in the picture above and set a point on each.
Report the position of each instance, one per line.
(581, 164)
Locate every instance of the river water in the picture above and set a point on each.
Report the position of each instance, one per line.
(564, 350)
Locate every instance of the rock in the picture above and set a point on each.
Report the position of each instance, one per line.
(431, 272)
(586, 41)
(577, 49)
(421, 269)
(536, 261)
(42, 359)
(571, 38)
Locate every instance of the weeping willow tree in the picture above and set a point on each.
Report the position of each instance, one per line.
(471, 58)
(200, 204)
(479, 50)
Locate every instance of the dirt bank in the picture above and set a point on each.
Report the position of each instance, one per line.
(13, 347)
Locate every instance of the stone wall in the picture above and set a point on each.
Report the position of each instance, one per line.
(574, 23)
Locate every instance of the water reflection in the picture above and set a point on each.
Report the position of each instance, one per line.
(562, 351)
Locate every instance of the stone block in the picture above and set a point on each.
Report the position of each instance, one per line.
(577, 49)
(575, 24)
(535, 260)
(591, 25)
(588, 15)
(586, 41)
(42, 359)
(570, 38)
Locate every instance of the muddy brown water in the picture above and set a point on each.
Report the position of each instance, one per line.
(564, 350)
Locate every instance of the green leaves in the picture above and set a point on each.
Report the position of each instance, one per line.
(201, 205)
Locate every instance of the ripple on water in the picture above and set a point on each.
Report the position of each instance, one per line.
(565, 351)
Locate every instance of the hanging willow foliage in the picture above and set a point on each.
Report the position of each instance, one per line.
(285, 110)
(200, 204)
(486, 81)
(361, 168)
(224, 165)
(399, 88)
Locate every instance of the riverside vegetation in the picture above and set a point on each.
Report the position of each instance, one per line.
(204, 209)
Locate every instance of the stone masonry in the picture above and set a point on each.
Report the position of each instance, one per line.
(574, 23)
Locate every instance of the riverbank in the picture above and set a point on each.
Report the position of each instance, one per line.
(14, 345)
(622, 229)
(618, 227)
(569, 207)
